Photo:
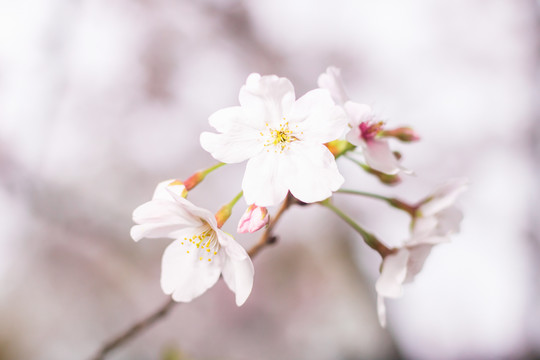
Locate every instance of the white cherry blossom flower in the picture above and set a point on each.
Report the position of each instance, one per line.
(437, 215)
(400, 268)
(366, 130)
(200, 252)
(282, 139)
(435, 220)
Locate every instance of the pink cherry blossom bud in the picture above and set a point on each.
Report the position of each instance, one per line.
(253, 219)
(405, 134)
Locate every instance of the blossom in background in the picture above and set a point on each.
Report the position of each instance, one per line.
(282, 139)
(254, 219)
(435, 219)
(400, 268)
(437, 215)
(200, 252)
(365, 130)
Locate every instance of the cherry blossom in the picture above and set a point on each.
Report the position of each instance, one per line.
(282, 139)
(435, 220)
(366, 131)
(200, 253)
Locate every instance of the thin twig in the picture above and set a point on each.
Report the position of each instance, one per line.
(135, 329)
(266, 239)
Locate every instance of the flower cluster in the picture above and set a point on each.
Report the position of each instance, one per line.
(290, 146)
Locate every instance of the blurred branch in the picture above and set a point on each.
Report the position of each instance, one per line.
(266, 239)
(134, 329)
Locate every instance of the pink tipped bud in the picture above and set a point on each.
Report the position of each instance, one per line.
(194, 179)
(405, 134)
(254, 219)
(223, 215)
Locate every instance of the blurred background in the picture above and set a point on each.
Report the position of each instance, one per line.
(100, 100)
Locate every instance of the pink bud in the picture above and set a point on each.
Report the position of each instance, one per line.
(253, 219)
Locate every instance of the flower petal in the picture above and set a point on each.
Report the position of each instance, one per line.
(263, 182)
(238, 276)
(232, 248)
(331, 80)
(394, 271)
(268, 97)
(379, 156)
(168, 190)
(159, 218)
(449, 220)
(312, 174)
(358, 113)
(156, 230)
(314, 117)
(234, 118)
(417, 257)
(381, 310)
(185, 276)
(234, 146)
(443, 197)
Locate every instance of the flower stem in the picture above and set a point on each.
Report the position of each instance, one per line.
(212, 168)
(365, 193)
(398, 204)
(369, 238)
(226, 210)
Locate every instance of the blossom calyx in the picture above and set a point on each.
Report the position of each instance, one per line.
(254, 219)
(194, 180)
(405, 134)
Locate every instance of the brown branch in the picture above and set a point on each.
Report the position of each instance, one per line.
(134, 329)
(266, 239)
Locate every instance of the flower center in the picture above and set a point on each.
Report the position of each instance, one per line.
(280, 137)
(204, 242)
(369, 130)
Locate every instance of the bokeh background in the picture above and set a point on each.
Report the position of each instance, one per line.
(100, 100)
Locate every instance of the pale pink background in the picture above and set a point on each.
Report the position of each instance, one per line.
(100, 100)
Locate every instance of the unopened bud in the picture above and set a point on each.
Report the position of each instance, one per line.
(223, 215)
(194, 179)
(254, 219)
(405, 134)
